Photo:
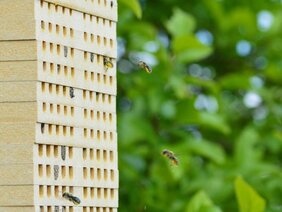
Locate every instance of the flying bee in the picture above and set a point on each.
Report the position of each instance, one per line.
(145, 67)
(108, 63)
(71, 198)
(170, 155)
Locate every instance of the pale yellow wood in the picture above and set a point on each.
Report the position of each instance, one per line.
(17, 133)
(18, 70)
(16, 153)
(17, 91)
(17, 195)
(98, 8)
(18, 112)
(18, 23)
(79, 40)
(76, 20)
(18, 209)
(16, 174)
(18, 50)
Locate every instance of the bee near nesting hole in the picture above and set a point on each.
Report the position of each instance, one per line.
(108, 63)
(171, 156)
(71, 92)
(75, 200)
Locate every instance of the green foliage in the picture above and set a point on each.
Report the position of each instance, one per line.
(201, 203)
(213, 98)
(248, 198)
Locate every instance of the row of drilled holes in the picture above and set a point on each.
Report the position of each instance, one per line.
(67, 131)
(56, 209)
(99, 154)
(56, 190)
(64, 90)
(98, 209)
(89, 133)
(70, 209)
(68, 110)
(66, 171)
(89, 75)
(64, 9)
(67, 71)
(100, 97)
(108, 192)
(90, 172)
(96, 115)
(70, 32)
(54, 150)
(87, 55)
(52, 190)
(97, 58)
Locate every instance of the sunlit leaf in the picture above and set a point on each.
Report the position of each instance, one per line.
(134, 5)
(248, 199)
(208, 150)
(200, 202)
(181, 23)
(188, 49)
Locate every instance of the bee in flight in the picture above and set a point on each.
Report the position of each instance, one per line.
(108, 63)
(71, 198)
(145, 67)
(170, 155)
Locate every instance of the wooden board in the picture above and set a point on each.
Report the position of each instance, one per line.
(15, 113)
(16, 153)
(16, 133)
(17, 91)
(19, 20)
(17, 195)
(18, 50)
(18, 71)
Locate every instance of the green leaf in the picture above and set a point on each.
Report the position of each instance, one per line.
(200, 202)
(249, 200)
(188, 48)
(181, 23)
(134, 5)
(209, 150)
(214, 121)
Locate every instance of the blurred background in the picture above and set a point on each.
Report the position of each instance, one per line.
(214, 99)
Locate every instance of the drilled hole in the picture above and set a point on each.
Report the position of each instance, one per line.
(63, 171)
(84, 153)
(40, 170)
(71, 172)
(48, 170)
(84, 172)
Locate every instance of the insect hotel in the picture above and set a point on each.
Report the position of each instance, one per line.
(58, 139)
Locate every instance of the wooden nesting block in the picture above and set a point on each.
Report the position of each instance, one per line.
(89, 196)
(16, 132)
(17, 209)
(19, 20)
(18, 50)
(106, 9)
(18, 71)
(18, 195)
(22, 91)
(56, 174)
(22, 25)
(72, 136)
(16, 153)
(75, 156)
(75, 20)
